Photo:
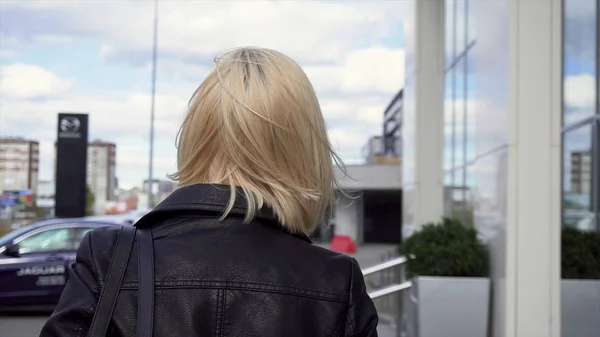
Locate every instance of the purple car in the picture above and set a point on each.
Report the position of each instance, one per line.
(34, 259)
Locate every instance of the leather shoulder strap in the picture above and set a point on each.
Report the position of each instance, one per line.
(146, 283)
(112, 284)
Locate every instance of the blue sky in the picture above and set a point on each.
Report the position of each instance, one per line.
(95, 57)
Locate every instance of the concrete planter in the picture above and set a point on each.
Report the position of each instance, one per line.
(580, 308)
(449, 307)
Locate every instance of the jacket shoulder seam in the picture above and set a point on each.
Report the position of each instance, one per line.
(254, 286)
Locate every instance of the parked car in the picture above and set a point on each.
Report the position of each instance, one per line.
(34, 260)
(130, 217)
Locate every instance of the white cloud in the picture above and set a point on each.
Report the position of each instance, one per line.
(580, 91)
(25, 81)
(337, 43)
(310, 30)
(124, 118)
(374, 69)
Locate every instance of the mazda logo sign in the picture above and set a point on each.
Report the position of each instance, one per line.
(70, 124)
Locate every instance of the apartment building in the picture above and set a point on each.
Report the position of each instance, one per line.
(19, 164)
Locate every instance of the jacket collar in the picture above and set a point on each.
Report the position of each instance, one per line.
(207, 198)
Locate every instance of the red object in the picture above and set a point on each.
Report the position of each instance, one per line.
(343, 244)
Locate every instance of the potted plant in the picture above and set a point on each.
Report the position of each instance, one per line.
(580, 285)
(449, 268)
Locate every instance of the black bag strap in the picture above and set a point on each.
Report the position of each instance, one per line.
(112, 284)
(146, 283)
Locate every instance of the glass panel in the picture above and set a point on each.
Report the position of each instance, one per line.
(468, 217)
(448, 177)
(461, 26)
(449, 120)
(408, 29)
(492, 75)
(580, 284)
(580, 47)
(459, 115)
(457, 198)
(459, 181)
(408, 117)
(471, 16)
(470, 106)
(450, 31)
(578, 205)
(54, 239)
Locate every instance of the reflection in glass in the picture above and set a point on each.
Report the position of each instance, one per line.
(490, 173)
(461, 26)
(470, 106)
(450, 31)
(471, 15)
(408, 133)
(449, 124)
(408, 123)
(580, 61)
(54, 239)
(580, 238)
(492, 69)
(460, 157)
(457, 199)
(408, 30)
(578, 203)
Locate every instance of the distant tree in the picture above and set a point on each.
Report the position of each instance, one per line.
(90, 199)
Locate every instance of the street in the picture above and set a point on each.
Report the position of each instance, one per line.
(24, 326)
(21, 326)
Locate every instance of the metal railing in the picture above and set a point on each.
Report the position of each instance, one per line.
(387, 279)
(394, 288)
(390, 290)
(385, 265)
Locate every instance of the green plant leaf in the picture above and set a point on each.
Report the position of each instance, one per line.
(448, 248)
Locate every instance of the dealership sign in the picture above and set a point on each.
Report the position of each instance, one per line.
(69, 127)
(17, 198)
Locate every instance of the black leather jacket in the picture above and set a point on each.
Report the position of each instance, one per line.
(221, 278)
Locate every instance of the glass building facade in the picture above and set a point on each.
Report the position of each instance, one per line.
(392, 126)
(519, 147)
(459, 109)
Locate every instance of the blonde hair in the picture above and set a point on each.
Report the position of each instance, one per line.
(255, 123)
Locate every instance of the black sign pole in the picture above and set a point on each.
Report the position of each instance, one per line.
(71, 165)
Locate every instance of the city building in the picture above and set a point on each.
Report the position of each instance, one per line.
(374, 152)
(160, 190)
(45, 197)
(19, 164)
(370, 210)
(581, 172)
(507, 135)
(101, 173)
(392, 126)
